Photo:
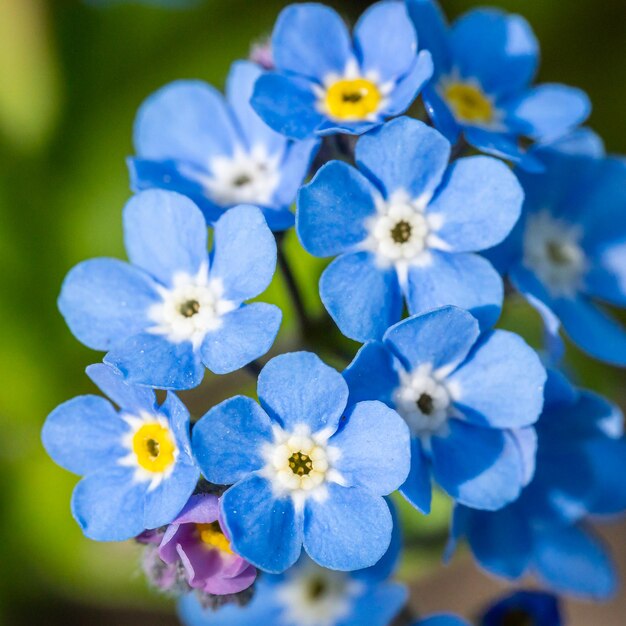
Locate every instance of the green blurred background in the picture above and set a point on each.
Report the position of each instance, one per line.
(71, 78)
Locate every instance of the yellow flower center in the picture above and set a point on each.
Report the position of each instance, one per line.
(354, 99)
(212, 535)
(154, 447)
(469, 103)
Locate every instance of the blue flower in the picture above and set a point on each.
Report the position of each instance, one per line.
(408, 226)
(136, 462)
(524, 607)
(581, 462)
(567, 255)
(307, 468)
(325, 83)
(216, 150)
(481, 86)
(175, 309)
(310, 595)
(470, 402)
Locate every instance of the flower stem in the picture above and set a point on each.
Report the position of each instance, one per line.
(293, 289)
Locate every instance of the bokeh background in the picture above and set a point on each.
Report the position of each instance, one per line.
(72, 75)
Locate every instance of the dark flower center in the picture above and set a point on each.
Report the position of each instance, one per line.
(317, 588)
(189, 308)
(352, 96)
(300, 463)
(558, 253)
(152, 445)
(401, 232)
(242, 180)
(425, 404)
(518, 617)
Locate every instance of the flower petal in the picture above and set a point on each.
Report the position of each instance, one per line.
(501, 383)
(128, 397)
(349, 530)
(417, 489)
(487, 478)
(333, 209)
(464, 280)
(84, 434)
(363, 299)
(246, 334)
(264, 530)
(298, 388)
(404, 154)
(549, 111)
(244, 254)
(377, 464)
(287, 104)
(441, 338)
(372, 375)
(104, 301)
(187, 121)
(165, 234)
(442, 620)
(154, 361)
(432, 31)
(108, 505)
(311, 40)
(228, 441)
(407, 89)
(377, 606)
(478, 203)
(498, 49)
(388, 57)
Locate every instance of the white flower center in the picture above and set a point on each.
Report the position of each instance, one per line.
(314, 596)
(424, 400)
(552, 251)
(190, 309)
(243, 178)
(152, 448)
(299, 464)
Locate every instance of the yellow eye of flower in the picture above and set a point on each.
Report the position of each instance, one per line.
(468, 103)
(212, 535)
(352, 100)
(154, 447)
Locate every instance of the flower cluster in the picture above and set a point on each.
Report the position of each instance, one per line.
(276, 509)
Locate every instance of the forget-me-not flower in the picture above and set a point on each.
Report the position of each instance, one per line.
(174, 308)
(406, 226)
(567, 254)
(324, 82)
(581, 461)
(533, 608)
(216, 150)
(308, 469)
(136, 462)
(310, 595)
(470, 402)
(481, 86)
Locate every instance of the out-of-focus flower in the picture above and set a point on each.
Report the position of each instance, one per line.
(408, 227)
(307, 469)
(136, 461)
(174, 309)
(325, 83)
(481, 86)
(534, 608)
(216, 150)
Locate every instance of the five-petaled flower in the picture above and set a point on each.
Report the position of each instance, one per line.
(470, 402)
(580, 465)
(308, 469)
(567, 255)
(195, 548)
(217, 151)
(176, 308)
(407, 224)
(481, 86)
(324, 83)
(136, 462)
